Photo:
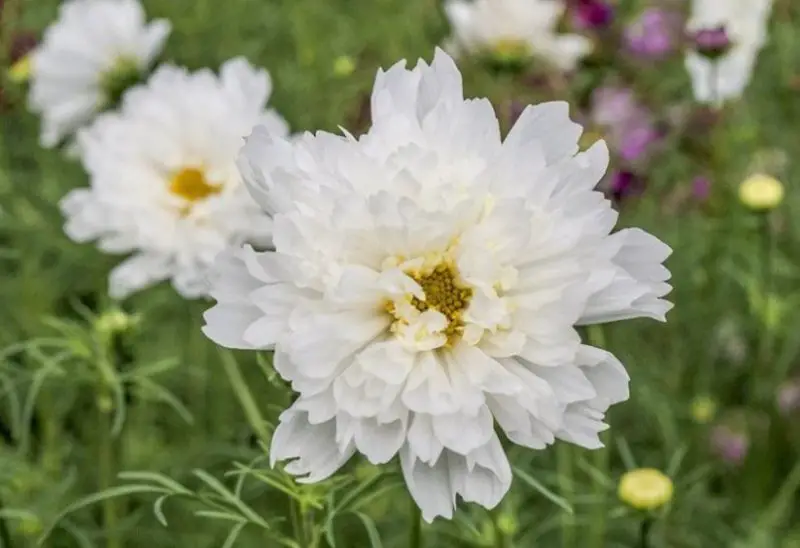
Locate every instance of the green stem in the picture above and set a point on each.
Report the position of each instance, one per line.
(294, 518)
(5, 536)
(415, 537)
(644, 533)
(198, 373)
(106, 469)
(597, 527)
(308, 527)
(501, 540)
(51, 447)
(249, 405)
(767, 280)
(565, 476)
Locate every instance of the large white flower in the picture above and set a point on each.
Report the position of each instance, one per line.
(514, 28)
(164, 183)
(746, 23)
(425, 286)
(87, 58)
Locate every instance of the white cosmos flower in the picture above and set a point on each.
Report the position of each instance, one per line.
(164, 183)
(746, 24)
(514, 28)
(425, 286)
(87, 58)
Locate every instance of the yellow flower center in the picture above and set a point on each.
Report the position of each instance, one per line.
(191, 185)
(511, 49)
(445, 294)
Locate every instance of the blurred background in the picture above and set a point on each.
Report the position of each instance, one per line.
(715, 392)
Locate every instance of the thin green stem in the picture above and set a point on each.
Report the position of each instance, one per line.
(565, 480)
(501, 540)
(294, 518)
(767, 246)
(308, 527)
(644, 532)
(106, 469)
(5, 536)
(249, 405)
(415, 536)
(51, 431)
(198, 373)
(600, 457)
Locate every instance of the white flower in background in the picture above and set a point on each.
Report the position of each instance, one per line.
(514, 29)
(745, 24)
(87, 58)
(425, 285)
(164, 183)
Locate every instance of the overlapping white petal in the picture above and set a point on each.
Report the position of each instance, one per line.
(180, 124)
(746, 24)
(484, 26)
(87, 41)
(425, 286)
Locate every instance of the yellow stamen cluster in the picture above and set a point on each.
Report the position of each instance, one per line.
(191, 185)
(444, 293)
(511, 49)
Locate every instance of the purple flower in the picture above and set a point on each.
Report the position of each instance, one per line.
(628, 125)
(701, 188)
(613, 105)
(624, 184)
(729, 445)
(592, 14)
(711, 43)
(653, 34)
(636, 141)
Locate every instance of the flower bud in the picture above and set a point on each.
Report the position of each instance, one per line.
(761, 192)
(645, 489)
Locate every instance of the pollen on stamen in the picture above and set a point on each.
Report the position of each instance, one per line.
(192, 185)
(445, 293)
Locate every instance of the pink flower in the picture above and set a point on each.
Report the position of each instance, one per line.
(624, 184)
(653, 34)
(711, 43)
(729, 444)
(592, 14)
(629, 126)
(701, 188)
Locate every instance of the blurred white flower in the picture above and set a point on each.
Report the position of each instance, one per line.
(426, 283)
(514, 28)
(87, 58)
(715, 80)
(164, 183)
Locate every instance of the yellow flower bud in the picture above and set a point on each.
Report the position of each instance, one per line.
(21, 70)
(343, 66)
(507, 524)
(115, 321)
(761, 192)
(645, 489)
(703, 409)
